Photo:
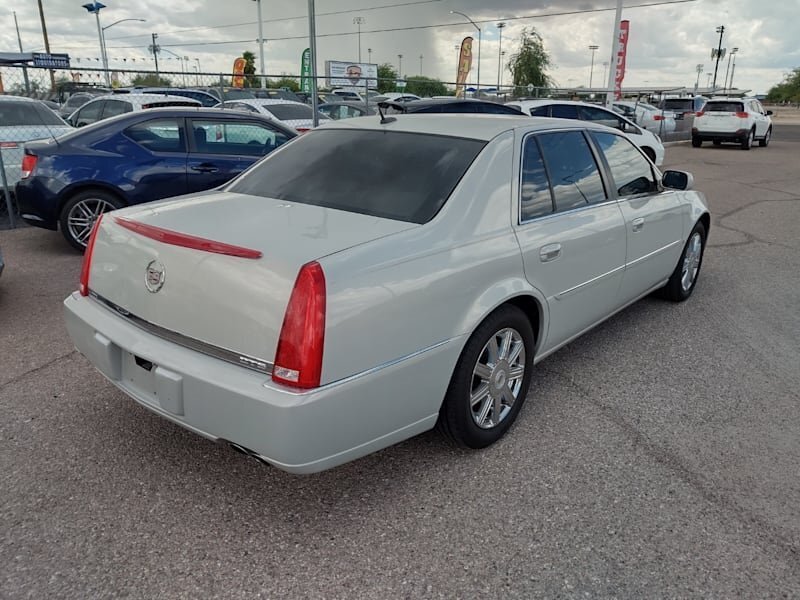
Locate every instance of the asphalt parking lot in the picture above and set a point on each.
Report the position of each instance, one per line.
(657, 456)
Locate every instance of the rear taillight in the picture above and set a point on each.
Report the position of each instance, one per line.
(298, 360)
(658, 118)
(9, 145)
(87, 258)
(742, 115)
(700, 114)
(28, 165)
(302, 130)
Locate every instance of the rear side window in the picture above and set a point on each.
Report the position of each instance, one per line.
(542, 111)
(235, 138)
(564, 111)
(631, 171)
(573, 171)
(289, 112)
(158, 135)
(13, 114)
(536, 200)
(116, 107)
(393, 175)
(724, 107)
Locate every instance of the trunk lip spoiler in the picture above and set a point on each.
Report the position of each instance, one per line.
(185, 240)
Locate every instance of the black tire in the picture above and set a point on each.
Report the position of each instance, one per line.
(457, 418)
(651, 154)
(747, 142)
(765, 142)
(81, 211)
(697, 142)
(675, 289)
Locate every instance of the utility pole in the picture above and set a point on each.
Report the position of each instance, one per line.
(421, 56)
(733, 70)
(155, 50)
(721, 32)
(47, 45)
(500, 27)
(699, 69)
(261, 46)
(24, 69)
(399, 66)
(727, 70)
(312, 44)
(593, 48)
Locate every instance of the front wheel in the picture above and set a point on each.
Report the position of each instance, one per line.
(80, 213)
(697, 142)
(683, 279)
(490, 381)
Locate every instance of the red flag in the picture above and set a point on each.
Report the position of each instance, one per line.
(622, 50)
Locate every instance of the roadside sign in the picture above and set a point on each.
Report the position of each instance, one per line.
(530, 88)
(51, 61)
(401, 83)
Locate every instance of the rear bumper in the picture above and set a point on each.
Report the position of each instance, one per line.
(37, 203)
(730, 136)
(297, 432)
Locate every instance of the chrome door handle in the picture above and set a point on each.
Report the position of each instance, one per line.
(637, 224)
(549, 252)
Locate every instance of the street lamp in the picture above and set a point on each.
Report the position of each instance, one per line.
(95, 7)
(605, 66)
(718, 54)
(261, 45)
(369, 54)
(699, 69)
(502, 53)
(103, 37)
(500, 27)
(180, 58)
(593, 48)
(359, 21)
(733, 70)
(421, 56)
(400, 66)
(455, 12)
(733, 51)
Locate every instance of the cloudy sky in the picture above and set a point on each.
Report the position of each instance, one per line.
(666, 44)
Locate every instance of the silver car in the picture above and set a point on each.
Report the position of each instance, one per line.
(378, 277)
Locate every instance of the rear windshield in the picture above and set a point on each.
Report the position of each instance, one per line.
(27, 113)
(394, 175)
(724, 107)
(234, 94)
(678, 104)
(288, 112)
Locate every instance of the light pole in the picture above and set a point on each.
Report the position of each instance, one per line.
(500, 27)
(721, 31)
(708, 80)
(594, 49)
(180, 58)
(103, 37)
(474, 24)
(605, 66)
(359, 21)
(261, 45)
(399, 66)
(502, 53)
(732, 52)
(421, 56)
(95, 7)
(733, 70)
(699, 69)
(369, 54)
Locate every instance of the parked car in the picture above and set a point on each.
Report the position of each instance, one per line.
(563, 109)
(135, 158)
(646, 115)
(228, 93)
(395, 97)
(104, 107)
(346, 110)
(355, 95)
(276, 94)
(684, 108)
(293, 114)
(374, 278)
(450, 105)
(23, 120)
(75, 101)
(204, 98)
(738, 120)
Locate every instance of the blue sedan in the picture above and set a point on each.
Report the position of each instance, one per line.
(138, 157)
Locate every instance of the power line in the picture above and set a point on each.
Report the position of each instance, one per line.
(414, 27)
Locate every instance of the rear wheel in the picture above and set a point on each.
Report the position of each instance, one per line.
(490, 381)
(683, 279)
(80, 213)
(765, 142)
(697, 142)
(747, 142)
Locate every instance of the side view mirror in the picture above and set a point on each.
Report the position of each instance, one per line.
(677, 180)
(769, 112)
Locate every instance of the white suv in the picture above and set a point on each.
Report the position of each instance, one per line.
(739, 120)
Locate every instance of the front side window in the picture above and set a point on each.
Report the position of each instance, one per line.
(631, 171)
(238, 138)
(598, 115)
(116, 107)
(536, 199)
(89, 113)
(573, 171)
(158, 135)
(393, 175)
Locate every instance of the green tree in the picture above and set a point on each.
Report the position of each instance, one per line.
(387, 77)
(530, 63)
(289, 83)
(151, 80)
(788, 90)
(250, 79)
(425, 86)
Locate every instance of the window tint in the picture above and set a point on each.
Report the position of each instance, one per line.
(116, 107)
(536, 198)
(542, 111)
(598, 115)
(678, 104)
(238, 138)
(288, 112)
(349, 170)
(631, 171)
(458, 107)
(90, 113)
(26, 113)
(158, 135)
(564, 111)
(724, 107)
(497, 109)
(573, 171)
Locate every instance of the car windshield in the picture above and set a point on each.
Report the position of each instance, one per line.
(289, 112)
(393, 175)
(13, 114)
(724, 107)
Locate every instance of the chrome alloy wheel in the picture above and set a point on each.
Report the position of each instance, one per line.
(83, 215)
(691, 261)
(497, 378)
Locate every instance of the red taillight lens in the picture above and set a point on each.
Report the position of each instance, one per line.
(87, 259)
(298, 360)
(742, 115)
(302, 130)
(701, 113)
(28, 165)
(658, 118)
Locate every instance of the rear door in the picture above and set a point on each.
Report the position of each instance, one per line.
(220, 149)
(572, 235)
(158, 168)
(760, 117)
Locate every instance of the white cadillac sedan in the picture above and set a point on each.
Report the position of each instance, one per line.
(376, 278)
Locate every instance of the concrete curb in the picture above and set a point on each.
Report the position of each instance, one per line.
(675, 143)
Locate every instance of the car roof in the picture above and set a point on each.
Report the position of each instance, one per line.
(145, 98)
(265, 101)
(471, 126)
(8, 97)
(731, 99)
